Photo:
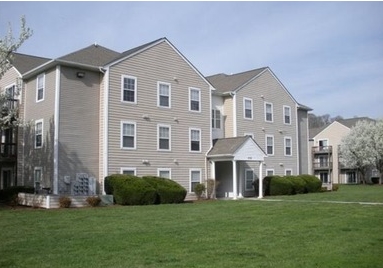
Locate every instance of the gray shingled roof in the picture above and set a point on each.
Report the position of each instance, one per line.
(225, 83)
(24, 63)
(227, 146)
(351, 122)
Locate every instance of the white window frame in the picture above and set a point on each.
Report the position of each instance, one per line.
(169, 170)
(123, 89)
(159, 94)
(190, 178)
(244, 108)
(40, 76)
(285, 115)
(215, 119)
(190, 99)
(158, 137)
(285, 146)
(270, 170)
(190, 140)
(269, 136)
(40, 121)
(288, 170)
(272, 112)
(246, 179)
(122, 135)
(128, 169)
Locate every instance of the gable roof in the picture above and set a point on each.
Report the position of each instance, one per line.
(24, 63)
(225, 83)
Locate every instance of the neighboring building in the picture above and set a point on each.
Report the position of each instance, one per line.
(149, 111)
(325, 158)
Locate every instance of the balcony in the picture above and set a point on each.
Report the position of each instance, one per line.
(322, 165)
(8, 151)
(322, 149)
(9, 104)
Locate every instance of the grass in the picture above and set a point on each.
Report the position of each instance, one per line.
(243, 233)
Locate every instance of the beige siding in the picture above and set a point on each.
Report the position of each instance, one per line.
(42, 157)
(159, 63)
(8, 79)
(266, 88)
(228, 117)
(79, 125)
(303, 142)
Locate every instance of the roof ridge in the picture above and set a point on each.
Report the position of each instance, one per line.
(87, 47)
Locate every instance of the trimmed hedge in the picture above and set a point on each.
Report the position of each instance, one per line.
(130, 190)
(280, 186)
(168, 191)
(299, 184)
(9, 193)
(313, 184)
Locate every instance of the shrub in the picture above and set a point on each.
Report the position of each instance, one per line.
(199, 189)
(211, 186)
(93, 201)
(280, 186)
(10, 193)
(168, 191)
(313, 184)
(299, 184)
(65, 202)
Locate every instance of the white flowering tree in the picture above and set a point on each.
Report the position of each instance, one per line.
(8, 45)
(362, 148)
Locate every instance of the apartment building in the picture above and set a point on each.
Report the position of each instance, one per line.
(149, 111)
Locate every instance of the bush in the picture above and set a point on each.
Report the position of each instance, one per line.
(335, 187)
(10, 193)
(299, 184)
(65, 202)
(130, 190)
(313, 184)
(168, 191)
(280, 186)
(199, 189)
(93, 201)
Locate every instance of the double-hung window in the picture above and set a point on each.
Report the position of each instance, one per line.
(247, 108)
(195, 140)
(163, 137)
(195, 178)
(40, 85)
(164, 90)
(249, 179)
(164, 173)
(288, 146)
(129, 89)
(39, 134)
(194, 99)
(128, 171)
(270, 144)
(128, 135)
(268, 112)
(216, 119)
(287, 115)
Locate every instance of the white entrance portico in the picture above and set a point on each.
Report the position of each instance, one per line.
(229, 158)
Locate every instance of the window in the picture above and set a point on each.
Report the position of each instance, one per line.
(288, 146)
(216, 119)
(40, 84)
(268, 112)
(129, 89)
(10, 97)
(163, 137)
(39, 134)
(128, 171)
(128, 135)
(163, 94)
(324, 177)
(164, 173)
(270, 145)
(269, 172)
(195, 140)
(287, 115)
(195, 178)
(247, 108)
(249, 179)
(351, 177)
(288, 172)
(195, 99)
(37, 176)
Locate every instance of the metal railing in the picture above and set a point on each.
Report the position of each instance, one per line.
(322, 149)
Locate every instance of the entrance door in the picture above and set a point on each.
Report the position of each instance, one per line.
(6, 176)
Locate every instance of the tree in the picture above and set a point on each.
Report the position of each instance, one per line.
(9, 45)
(316, 121)
(362, 148)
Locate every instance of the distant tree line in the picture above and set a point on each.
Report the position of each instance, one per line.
(316, 121)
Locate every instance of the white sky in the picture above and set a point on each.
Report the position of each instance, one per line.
(329, 55)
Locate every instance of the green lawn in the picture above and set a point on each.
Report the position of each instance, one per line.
(245, 233)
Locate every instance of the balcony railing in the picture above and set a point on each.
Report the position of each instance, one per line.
(8, 150)
(324, 165)
(322, 149)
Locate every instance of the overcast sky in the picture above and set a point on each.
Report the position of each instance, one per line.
(329, 55)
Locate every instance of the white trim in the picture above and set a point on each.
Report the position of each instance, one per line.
(190, 177)
(246, 170)
(158, 137)
(244, 108)
(291, 146)
(121, 135)
(166, 170)
(37, 87)
(234, 115)
(199, 100)
(123, 76)
(56, 131)
(270, 169)
(105, 157)
(200, 140)
(128, 169)
(42, 133)
(284, 115)
(272, 112)
(288, 169)
(169, 96)
(269, 136)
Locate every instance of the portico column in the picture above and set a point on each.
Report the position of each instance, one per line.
(235, 180)
(260, 186)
